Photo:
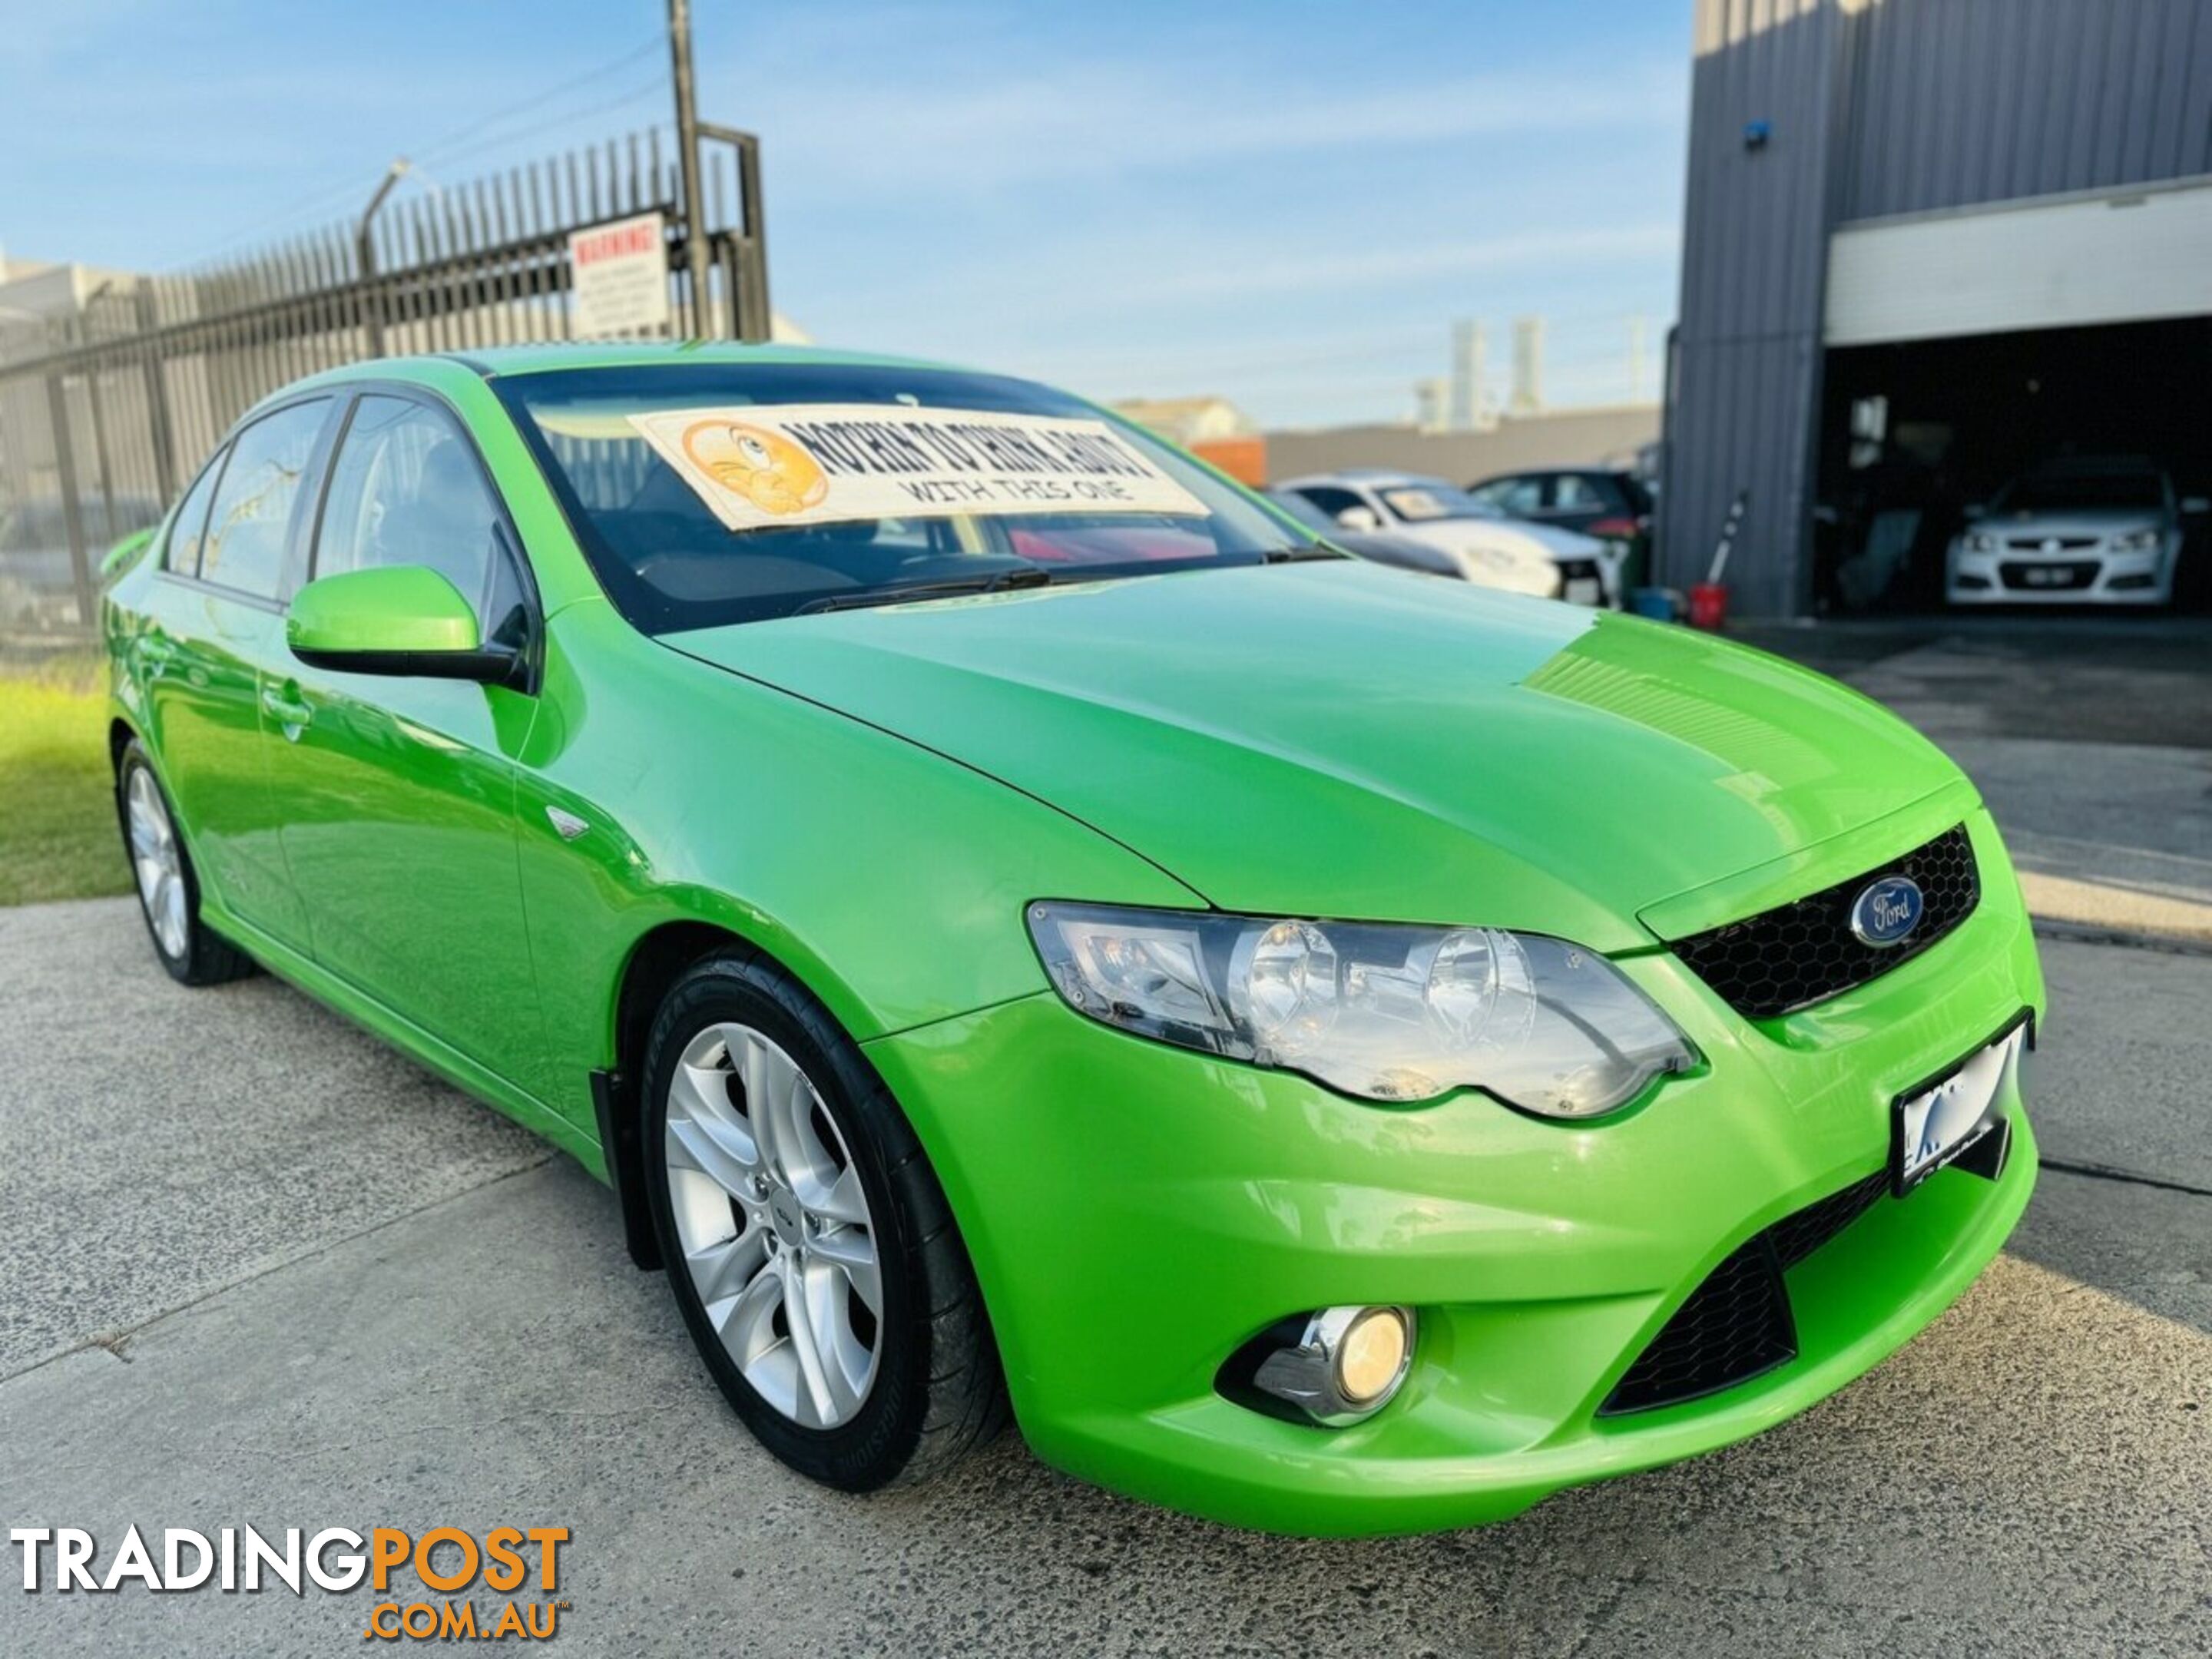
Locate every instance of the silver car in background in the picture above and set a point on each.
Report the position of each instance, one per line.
(1376, 546)
(2103, 529)
(1489, 547)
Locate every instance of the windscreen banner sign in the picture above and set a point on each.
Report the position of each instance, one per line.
(763, 465)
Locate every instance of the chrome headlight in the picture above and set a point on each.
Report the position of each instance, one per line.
(1978, 541)
(1379, 1011)
(2136, 540)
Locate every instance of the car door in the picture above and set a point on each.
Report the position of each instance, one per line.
(214, 633)
(399, 791)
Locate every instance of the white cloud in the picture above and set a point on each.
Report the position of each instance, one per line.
(1299, 270)
(958, 134)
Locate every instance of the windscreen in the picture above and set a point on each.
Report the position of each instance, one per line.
(1433, 498)
(707, 493)
(2072, 492)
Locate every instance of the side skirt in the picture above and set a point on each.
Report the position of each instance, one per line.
(405, 1035)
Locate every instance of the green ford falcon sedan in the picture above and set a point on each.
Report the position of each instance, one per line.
(1025, 930)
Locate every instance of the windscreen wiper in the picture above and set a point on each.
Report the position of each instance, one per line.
(1302, 554)
(999, 582)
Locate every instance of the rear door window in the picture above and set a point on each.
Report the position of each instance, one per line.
(250, 523)
(182, 554)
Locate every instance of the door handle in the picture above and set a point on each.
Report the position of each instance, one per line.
(288, 709)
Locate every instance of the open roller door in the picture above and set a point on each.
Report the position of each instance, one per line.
(1966, 350)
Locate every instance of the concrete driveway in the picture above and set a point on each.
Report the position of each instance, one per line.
(261, 1270)
(290, 1280)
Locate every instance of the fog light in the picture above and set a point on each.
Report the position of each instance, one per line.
(1372, 1355)
(1346, 1365)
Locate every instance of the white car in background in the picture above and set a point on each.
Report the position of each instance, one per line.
(1376, 546)
(2102, 530)
(1489, 547)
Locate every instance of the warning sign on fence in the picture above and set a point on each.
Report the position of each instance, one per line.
(620, 275)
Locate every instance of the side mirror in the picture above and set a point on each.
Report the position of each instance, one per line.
(1358, 518)
(2197, 504)
(395, 619)
(1973, 511)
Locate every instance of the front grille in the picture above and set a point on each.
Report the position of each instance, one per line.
(1796, 1237)
(2050, 544)
(1737, 1323)
(1804, 952)
(2049, 578)
(1734, 1326)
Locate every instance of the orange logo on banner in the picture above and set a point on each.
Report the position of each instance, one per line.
(769, 471)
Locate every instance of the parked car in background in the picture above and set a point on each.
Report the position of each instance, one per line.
(2095, 529)
(1380, 546)
(1492, 549)
(1605, 502)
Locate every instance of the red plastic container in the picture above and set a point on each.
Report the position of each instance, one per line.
(1708, 606)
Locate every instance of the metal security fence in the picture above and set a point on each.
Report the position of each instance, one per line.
(105, 410)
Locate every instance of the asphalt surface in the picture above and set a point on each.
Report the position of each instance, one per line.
(261, 1270)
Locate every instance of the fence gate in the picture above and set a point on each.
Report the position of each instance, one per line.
(105, 412)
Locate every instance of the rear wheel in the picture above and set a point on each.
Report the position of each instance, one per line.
(808, 1244)
(168, 891)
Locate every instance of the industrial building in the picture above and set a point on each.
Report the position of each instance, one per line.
(1930, 244)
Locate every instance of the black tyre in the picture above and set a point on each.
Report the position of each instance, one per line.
(807, 1241)
(168, 891)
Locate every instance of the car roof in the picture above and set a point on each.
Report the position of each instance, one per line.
(2094, 465)
(1378, 476)
(504, 360)
(510, 361)
(1549, 473)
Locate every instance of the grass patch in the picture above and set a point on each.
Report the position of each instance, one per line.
(57, 835)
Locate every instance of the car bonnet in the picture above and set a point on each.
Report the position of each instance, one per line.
(1341, 739)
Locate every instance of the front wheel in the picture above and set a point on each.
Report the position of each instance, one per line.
(169, 889)
(809, 1246)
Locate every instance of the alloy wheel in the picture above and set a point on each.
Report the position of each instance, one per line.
(158, 864)
(774, 1224)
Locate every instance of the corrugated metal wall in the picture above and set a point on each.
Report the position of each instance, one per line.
(1747, 361)
(1878, 107)
(1963, 102)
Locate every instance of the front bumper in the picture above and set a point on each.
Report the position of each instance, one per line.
(1136, 1212)
(1587, 581)
(2087, 576)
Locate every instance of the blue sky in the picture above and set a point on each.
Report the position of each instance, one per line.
(1284, 203)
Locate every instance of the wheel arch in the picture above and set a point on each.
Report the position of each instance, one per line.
(120, 735)
(658, 958)
(655, 962)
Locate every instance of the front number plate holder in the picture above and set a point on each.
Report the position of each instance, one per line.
(1957, 1113)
